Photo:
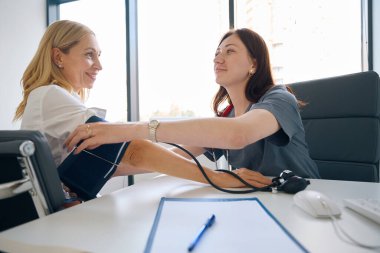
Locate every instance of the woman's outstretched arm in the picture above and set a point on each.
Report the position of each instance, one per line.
(231, 133)
(147, 156)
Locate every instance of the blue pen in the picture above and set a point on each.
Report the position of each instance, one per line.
(208, 224)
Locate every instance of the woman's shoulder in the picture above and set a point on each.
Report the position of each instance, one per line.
(49, 89)
(277, 89)
(280, 92)
(55, 93)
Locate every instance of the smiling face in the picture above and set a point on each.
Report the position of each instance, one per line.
(81, 64)
(232, 62)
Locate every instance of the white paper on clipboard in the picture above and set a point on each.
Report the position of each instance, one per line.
(241, 225)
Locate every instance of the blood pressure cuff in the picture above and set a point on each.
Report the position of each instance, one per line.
(86, 173)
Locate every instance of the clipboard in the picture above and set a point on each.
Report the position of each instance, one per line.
(241, 225)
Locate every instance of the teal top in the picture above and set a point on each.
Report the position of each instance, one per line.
(285, 149)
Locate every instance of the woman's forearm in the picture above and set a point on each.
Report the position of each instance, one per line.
(215, 132)
(200, 132)
(144, 155)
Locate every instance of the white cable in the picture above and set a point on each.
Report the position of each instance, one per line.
(349, 238)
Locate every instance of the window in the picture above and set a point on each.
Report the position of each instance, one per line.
(108, 23)
(307, 39)
(177, 41)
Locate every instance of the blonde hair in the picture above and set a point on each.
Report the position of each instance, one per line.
(42, 70)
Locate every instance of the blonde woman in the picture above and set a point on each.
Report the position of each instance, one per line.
(55, 85)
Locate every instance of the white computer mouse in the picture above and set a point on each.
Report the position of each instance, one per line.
(316, 204)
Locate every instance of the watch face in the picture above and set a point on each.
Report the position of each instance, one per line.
(153, 123)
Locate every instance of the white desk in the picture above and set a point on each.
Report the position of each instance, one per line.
(121, 221)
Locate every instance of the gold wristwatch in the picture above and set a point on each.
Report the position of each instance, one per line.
(153, 125)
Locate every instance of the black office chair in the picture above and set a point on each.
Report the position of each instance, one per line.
(29, 184)
(341, 121)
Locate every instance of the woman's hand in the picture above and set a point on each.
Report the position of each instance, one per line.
(253, 177)
(94, 135)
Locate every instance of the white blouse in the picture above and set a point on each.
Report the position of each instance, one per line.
(55, 112)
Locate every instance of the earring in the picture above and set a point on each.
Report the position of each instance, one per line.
(251, 72)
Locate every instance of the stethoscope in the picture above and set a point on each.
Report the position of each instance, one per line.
(287, 181)
(225, 113)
